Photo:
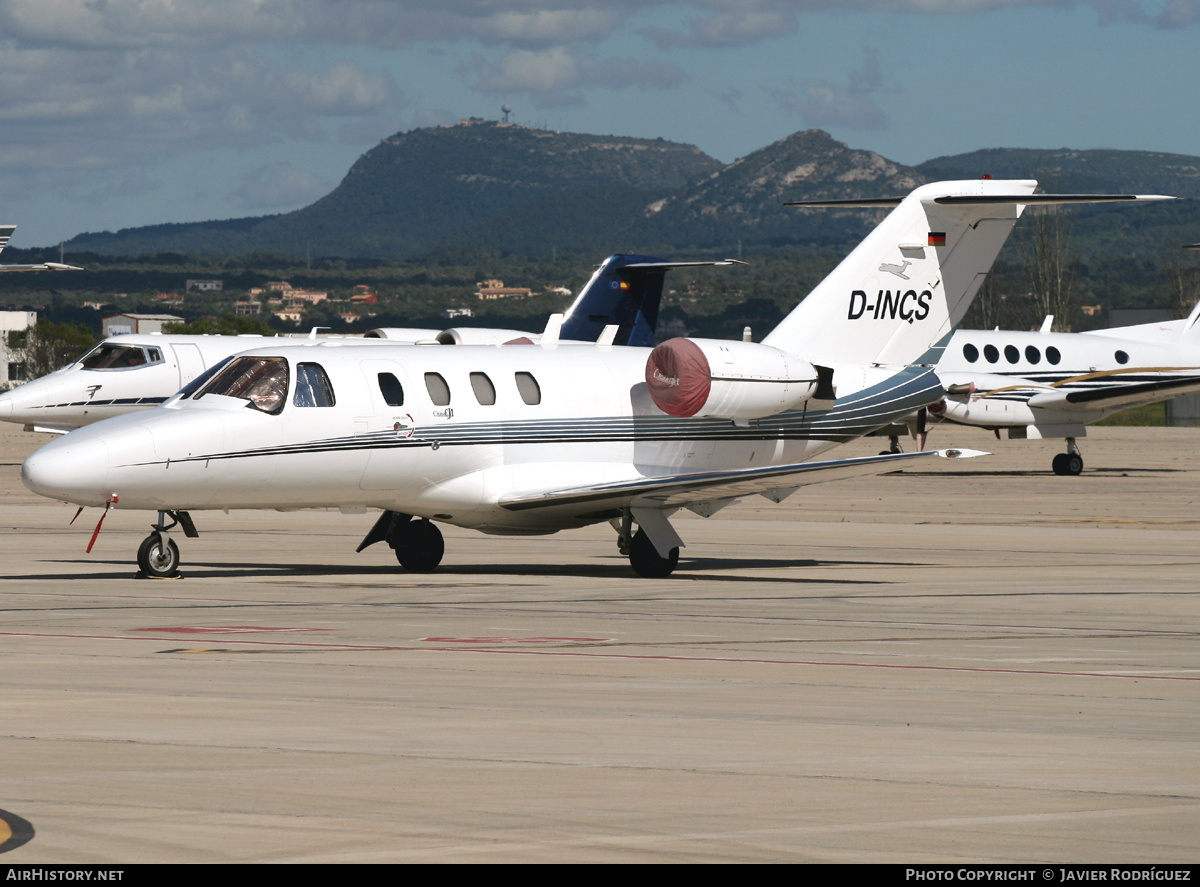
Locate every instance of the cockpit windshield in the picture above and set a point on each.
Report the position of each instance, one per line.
(262, 381)
(193, 386)
(111, 356)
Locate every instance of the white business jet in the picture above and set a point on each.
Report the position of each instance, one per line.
(129, 373)
(6, 233)
(535, 439)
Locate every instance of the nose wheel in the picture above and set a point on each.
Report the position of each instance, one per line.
(158, 556)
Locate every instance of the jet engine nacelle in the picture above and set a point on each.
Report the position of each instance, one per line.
(714, 378)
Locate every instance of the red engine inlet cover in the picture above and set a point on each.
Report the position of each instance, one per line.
(678, 376)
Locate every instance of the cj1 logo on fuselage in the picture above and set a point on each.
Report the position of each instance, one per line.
(888, 305)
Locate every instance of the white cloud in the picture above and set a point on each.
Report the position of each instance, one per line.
(827, 104)
(276, 187)
(555, 77)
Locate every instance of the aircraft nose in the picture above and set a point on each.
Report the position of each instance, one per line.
(6, 406)
(73, 471)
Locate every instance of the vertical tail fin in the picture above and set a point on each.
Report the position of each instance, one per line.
(912, 279)
(6, 233)
(625, 291)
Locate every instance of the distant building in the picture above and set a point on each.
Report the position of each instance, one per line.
(495, 289)
(14, 326)
(204, 285)
(452, 313)
(122, 324)
(247, 307)
(362, 295)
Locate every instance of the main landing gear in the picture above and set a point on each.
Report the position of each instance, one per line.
(418, 543)
(1070, 462)
(158, 555)
(643, 556)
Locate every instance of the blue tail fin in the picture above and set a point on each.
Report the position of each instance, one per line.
(625, 291)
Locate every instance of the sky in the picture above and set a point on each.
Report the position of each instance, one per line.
(118, 113)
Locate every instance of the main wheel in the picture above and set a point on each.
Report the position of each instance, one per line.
(1073, 463)
(645, 559)
(419, 546)
(156, 559)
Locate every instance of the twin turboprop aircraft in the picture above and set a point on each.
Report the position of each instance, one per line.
(533, 439)
(129, 373)
(1052, 385)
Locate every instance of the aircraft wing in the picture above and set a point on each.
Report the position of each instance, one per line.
(6, 233)
(1115, 389)
(677, 490)
(45, 266)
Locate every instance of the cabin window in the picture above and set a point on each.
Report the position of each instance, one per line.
(1052, 355)
(529, 389)
(1122, 357)
(391, 389)
(1011, 354)
(485, 391)
(1032, 354)
(262, 381)
(990, 352)
(439, 391)
(312, 387)
(970, 352)
(110, 356)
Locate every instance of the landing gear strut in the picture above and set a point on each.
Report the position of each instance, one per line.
(1070, 462)
(158, 555)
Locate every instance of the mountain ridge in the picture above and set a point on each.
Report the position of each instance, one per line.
(495, 186)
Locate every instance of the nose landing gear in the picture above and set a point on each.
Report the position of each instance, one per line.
(158, 555)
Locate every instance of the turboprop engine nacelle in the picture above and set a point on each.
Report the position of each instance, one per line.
(714, 378)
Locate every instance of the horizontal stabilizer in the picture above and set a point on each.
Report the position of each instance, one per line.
(985, 200)
(678, 490)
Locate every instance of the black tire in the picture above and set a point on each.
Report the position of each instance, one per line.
(419, 546)
(156, 560)
(1060, 463)
(1073, 463)
(645, 559)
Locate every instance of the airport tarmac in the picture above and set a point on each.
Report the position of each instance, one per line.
(978, 662)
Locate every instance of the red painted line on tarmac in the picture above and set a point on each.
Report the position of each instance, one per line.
(224, 629)
(516, 640)
(633, 657)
